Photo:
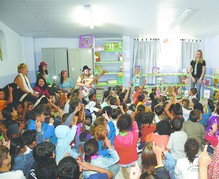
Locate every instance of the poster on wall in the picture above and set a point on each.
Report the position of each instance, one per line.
(86, 41)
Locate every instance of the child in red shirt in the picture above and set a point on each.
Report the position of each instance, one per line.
(125, 143)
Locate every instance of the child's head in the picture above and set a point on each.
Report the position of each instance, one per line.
(148, 117)
(153, 95)
(195, 115)
(114, 101)
(121, 96)
(100, 132)
(211, 104)
(92, 97)
(115, 113)
(148, 158)
(30, 138)
(9, 113)
(108, 110)
(74, 104)
(191, 149)
(5, 158)
(193, 91)
(141, 108)
(64, 117)
(141, 97)
(136, 88)
(199, 106)
(98, 121)
(37, 114)
(124, 122)
(46, 170)
(194, 101)
(43, 151)
(177, 123)
(210, 122)
(163, 127)
(19, 108)
(186, 103)
(177, 108)
(132, 107)
(2, 94)
(159, 110)
(90, 149)
(46, 109)
(17, 147)
(68, 168)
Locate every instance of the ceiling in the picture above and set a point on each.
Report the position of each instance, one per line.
(113, 18)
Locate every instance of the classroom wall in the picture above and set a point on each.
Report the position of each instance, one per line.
(14, 56)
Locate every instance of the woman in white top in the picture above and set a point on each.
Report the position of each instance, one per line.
(23, 90)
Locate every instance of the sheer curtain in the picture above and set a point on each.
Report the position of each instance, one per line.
(187, 52)
(146, 55)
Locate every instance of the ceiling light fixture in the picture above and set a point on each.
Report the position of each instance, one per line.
(89, 15)
(180, 19)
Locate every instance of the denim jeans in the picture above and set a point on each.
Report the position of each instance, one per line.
(198, 87)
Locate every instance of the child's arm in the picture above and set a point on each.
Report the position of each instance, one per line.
(127, 93)
(142, 86)
(24, 111)
(10, 97)
(114, 157)
(71, 116)
(60, 111)
(40, 135)
(88, 166)
(166, 109)
(112, 132)
(169, 161)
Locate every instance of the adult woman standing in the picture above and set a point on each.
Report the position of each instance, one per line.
(197, 72)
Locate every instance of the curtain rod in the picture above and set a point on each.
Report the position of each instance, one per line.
(147, 39)
(190, 40)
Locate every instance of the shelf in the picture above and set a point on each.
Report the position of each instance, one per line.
(210, 76)
(109, 62)
(213, 88)
(114, 51)
(166, 74)
(102, 85)
(165, 85)
(109, 73)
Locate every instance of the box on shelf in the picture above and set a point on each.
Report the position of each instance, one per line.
(112, 81)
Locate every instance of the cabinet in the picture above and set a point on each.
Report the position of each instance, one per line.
(109, 56)
(56, 58)
(77, 58)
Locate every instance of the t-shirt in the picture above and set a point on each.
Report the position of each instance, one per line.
(18, 174)
(184, 169)
(2, 104)
(199, 68)
(176, 144)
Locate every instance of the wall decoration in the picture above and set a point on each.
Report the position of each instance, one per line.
(86, 41)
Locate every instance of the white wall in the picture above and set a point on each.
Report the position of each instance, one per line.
(40, 43)
(15, 55)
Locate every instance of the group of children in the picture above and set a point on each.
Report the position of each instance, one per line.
(140, 133)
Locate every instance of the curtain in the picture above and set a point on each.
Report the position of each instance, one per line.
(146, 55)
(187, 52)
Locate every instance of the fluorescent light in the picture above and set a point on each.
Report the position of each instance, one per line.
(181, 18)
(89, 15)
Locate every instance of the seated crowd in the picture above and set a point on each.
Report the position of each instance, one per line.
(50, 132)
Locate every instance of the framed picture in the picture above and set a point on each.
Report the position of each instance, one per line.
(86, 41)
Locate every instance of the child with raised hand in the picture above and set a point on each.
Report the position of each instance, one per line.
(65, 136)
(90, 156)
(125, 142)
(152, 162)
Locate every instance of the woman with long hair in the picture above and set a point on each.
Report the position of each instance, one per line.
(41, 86)
(43, 71)
(197, 72)
(66, 83)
